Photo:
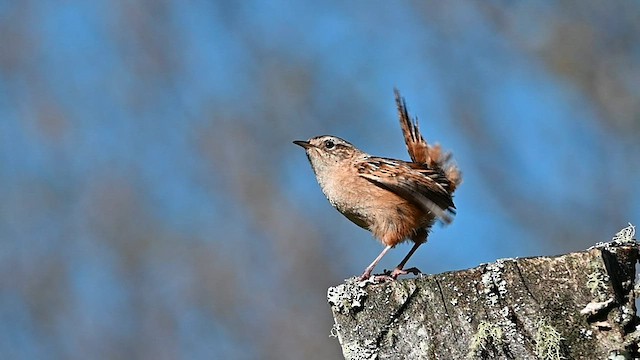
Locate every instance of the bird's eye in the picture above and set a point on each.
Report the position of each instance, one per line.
(329, 144)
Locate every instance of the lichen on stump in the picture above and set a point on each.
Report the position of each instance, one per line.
(578, 305)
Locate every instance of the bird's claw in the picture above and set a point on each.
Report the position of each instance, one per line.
(388, 275)
(397, 272)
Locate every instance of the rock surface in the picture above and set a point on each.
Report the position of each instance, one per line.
(574, 306)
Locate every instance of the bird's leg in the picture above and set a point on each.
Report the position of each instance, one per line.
(399, 270)
(367, 272)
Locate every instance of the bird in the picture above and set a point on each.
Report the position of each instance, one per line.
(395, 200)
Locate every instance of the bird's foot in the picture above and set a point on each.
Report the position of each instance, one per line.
(397, 272)
(388, 275)
(367, 278)
(366, 275)
(383, 278)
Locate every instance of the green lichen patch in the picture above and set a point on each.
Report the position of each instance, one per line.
(548, 342)
(597, 284)
(488, 338)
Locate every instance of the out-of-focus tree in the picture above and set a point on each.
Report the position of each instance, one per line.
(570, 180)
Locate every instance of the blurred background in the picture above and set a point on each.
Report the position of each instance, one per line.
(154, 207)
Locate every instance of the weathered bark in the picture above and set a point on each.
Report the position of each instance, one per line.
(575, 306)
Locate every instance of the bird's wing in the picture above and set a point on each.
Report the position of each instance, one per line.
(416, 145)
(422, 186)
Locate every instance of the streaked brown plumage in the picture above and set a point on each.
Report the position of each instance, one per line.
(394, 199)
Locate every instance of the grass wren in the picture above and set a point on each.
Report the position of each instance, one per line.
(396, 200)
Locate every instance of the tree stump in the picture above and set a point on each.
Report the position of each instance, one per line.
(575, 306)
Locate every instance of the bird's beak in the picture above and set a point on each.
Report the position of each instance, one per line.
(304, 144)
